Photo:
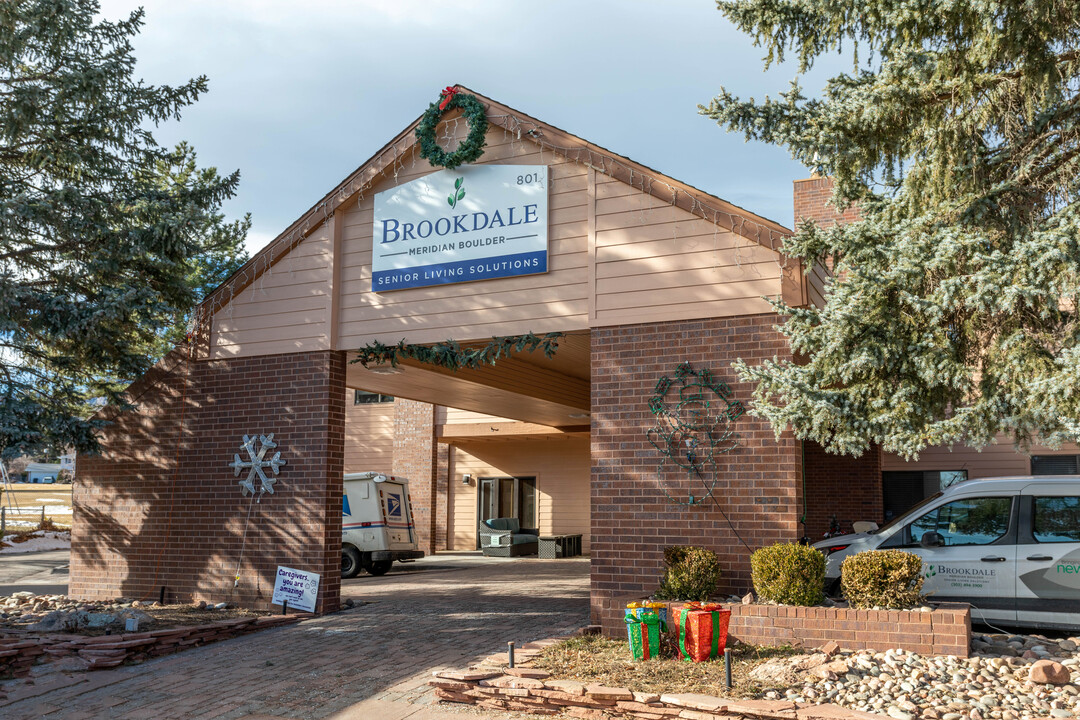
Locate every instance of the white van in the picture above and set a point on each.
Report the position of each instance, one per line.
(1008, 546)
(376, 524)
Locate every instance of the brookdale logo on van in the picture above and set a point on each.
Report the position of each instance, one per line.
(474, 223)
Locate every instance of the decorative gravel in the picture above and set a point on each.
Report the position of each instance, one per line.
(994, 683)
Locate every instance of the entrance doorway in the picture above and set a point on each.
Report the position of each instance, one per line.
(508, 497)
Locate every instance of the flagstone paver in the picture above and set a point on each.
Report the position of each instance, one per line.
(378, 655)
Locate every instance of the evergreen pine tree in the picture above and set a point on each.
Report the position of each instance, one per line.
(101, 228)
(953, 312)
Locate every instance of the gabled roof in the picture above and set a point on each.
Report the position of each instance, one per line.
(763, 231)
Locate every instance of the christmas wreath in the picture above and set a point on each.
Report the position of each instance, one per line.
(471, 147)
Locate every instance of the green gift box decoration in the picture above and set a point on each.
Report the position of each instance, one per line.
(644, 632)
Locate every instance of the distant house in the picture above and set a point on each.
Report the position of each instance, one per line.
(43, 472)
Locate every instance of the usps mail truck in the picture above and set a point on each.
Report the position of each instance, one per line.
(376, 524)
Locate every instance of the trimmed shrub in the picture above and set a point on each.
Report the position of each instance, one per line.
(789, 574)
(882, 578)
(692, 573)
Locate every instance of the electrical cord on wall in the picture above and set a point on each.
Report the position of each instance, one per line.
(722, 513)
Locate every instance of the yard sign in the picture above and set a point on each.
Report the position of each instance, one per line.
(299, 588)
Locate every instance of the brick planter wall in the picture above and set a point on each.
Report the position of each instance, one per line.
(139, 523)
(759, 484)
(944, 631)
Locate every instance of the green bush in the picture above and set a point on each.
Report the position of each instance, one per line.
(882, 578)
(789, 574)
(692, 573)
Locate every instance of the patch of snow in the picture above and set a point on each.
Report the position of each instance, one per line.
(42, 540)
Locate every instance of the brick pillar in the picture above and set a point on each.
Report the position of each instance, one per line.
(160, 506)
(757, 484)
(442, 498)
(330, 589)
(847, 487)
(416, 459)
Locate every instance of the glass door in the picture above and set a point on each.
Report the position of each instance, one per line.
(488, 498)
(506, 497)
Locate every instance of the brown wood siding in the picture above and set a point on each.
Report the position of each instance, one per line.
(561, 468)
(455, 416)
(555, 300)
(658, 262)
(285, 310)
(617, 255)
(369, 436)
(997, 460)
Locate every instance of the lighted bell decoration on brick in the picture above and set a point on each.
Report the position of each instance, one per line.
(257, 464)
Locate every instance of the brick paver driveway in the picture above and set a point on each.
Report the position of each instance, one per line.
(439, 612)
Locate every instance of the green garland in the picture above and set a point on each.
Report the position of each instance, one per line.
(471, 148)
(450, 354)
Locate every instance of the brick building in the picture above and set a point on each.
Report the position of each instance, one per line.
(641, 274)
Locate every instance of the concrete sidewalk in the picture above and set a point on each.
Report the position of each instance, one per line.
(368, 663)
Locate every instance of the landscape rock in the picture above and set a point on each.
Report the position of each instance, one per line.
(1048, 672)
(517, 683)
(831, 670)
(600, 692)
(830, 648)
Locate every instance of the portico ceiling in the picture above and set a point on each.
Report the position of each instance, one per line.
(528, 386)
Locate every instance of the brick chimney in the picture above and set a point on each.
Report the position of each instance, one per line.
(812, 203)
(847, 488)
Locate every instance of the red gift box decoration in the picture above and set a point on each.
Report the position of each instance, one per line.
(702, 630)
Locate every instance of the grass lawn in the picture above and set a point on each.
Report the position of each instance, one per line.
(29, 499)
(595, 659)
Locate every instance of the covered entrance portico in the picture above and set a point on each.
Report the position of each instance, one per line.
(642, 275)
(509, 440)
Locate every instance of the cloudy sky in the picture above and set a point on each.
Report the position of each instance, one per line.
(302, 93)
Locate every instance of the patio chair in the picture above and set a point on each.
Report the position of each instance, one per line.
(502, 537)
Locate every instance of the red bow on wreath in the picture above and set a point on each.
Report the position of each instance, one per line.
(447, 95)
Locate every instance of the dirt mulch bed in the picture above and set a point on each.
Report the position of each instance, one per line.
(595, 659)
(174, 616)
(161, 618)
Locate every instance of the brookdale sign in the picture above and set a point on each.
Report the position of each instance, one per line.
(472, 223)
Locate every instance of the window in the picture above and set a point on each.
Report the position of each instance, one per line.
(363, 397)
(1056, 519)
(1053, 464)
(903, 490)
(948, 478)
(971, 521)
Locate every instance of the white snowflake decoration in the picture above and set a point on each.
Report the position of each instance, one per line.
(257, 463)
